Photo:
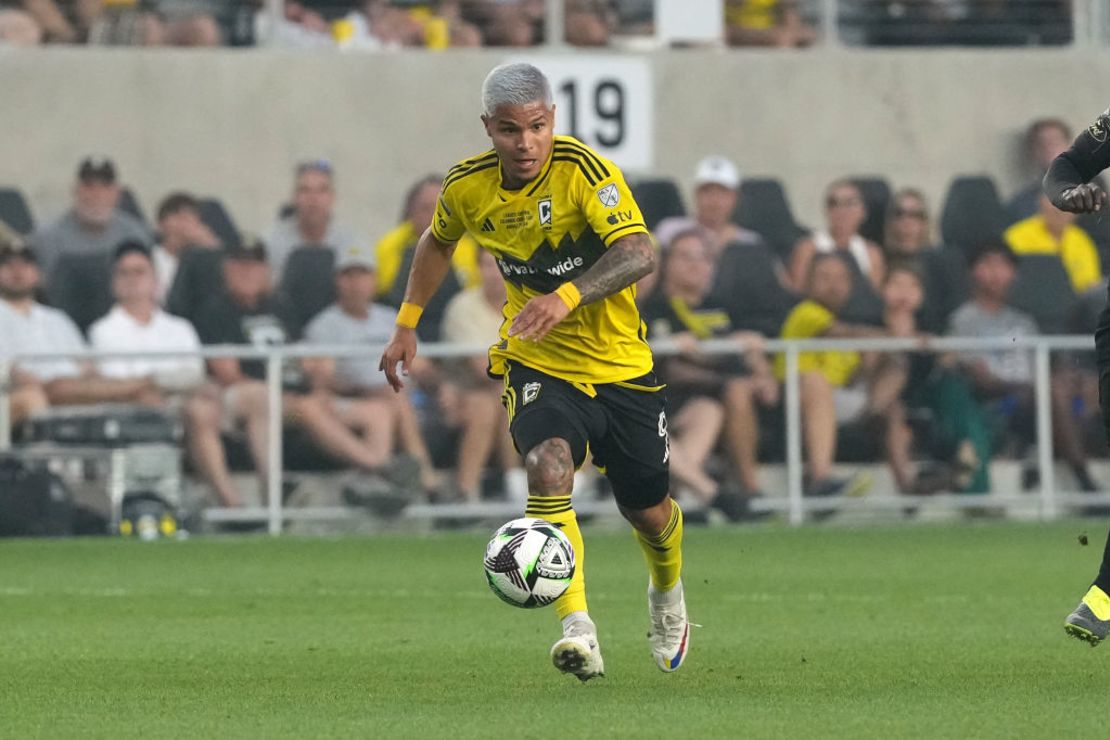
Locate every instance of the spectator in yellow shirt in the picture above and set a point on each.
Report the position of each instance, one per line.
(420, 206)
(1054, 232)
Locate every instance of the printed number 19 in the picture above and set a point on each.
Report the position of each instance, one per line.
(608, 107)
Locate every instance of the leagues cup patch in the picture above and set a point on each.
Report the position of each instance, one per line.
(609, 195)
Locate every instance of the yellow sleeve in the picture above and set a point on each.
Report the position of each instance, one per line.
(606, 201)
(1080, 256)
(808, 319)
(390, 253)
(447, 226)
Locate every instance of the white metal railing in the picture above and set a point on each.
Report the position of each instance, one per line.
(796, 505)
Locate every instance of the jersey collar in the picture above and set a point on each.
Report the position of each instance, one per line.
(532, 186)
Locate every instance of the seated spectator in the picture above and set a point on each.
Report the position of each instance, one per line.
(28, 326)
(18, 28)
(300, 28)
(137, 323)
(179, 228)
(683, 310)
(416, 217)
(94, 225)
(507, 22)
(375, 24)
(474, 316)
(845, 212)
(841, 387)
(312, 222)
(247, 313)
(185, 23)
(362, 398)
(26, 396)
(908, 241)
(588, 23)
(1045, 140)
(766, 23)
(1003, 379)
(53, 25)
(1053, 232)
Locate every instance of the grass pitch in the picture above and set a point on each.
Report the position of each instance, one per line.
(822, 632)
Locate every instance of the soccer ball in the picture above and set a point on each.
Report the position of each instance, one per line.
(529, 563)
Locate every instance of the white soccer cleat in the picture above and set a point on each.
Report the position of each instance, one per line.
(577, 652)
(670, 629)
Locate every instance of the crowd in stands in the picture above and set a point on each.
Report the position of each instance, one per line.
(735, 268)
(439, 24)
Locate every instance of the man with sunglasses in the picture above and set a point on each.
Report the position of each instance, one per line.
(1069, 186)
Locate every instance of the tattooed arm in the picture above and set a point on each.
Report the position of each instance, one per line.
(627, 260)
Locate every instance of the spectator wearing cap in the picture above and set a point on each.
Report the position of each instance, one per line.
(1003, 378)
(247, 313)
(361, 397)
(179, 228)
(27, 326)
(137, 323)
(94, 225)
(312, 222)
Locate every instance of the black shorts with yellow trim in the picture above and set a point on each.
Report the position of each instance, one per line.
(622, 426)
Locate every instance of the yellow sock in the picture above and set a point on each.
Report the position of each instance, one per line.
(664, 551)
(557, 510)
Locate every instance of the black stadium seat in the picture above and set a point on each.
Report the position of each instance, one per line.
(217, 218)
(658, 199)
(764, 208)
(876, 197)
(15, 212)
(308, 284)
(1043, 290)
(130, 205)
(80, 285)
(972, 213)
(199, 276)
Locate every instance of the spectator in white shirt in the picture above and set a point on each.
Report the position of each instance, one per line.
(136, 323)
(179, 228)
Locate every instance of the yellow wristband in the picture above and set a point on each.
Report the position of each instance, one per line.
(570, 295)
(409, 315)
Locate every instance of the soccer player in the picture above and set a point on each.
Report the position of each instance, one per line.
(570, 243)
(1068, 185)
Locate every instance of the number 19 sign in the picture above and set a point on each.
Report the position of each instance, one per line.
(606, 101)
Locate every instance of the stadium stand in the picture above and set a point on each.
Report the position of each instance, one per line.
(658, 199)
(15, 212)
(972, 212)
(765, 209)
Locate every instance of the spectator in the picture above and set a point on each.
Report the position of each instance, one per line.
(179, 228)
(28, 326)
(588, 23)
(474, 316)
(312, 222)
(363, 399)
(839, 387)
(1045, 139)
(908, 241)
(137, 323)
(845, 212)
(507, 22)
(94, 225)
(1003, 379)
(1053, 232)
(248, 314)
(26, 396)
(683, 310)
(766, 23)
(18, 28)
(185, 23)
(52, 24)
(416, 217)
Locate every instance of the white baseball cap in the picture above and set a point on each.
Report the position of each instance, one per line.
(717, 170)
(355, 255)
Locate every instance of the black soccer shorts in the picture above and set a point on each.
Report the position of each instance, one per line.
(623, 427)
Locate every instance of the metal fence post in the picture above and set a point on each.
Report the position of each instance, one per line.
(830, 22)
(5, 405)
(1043, 396)
(273, 475)
(554, 21)
(796, 513)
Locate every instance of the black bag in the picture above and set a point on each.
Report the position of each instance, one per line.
(104, 426)
(33, 502)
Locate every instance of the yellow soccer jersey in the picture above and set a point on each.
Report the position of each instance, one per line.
(545, 234)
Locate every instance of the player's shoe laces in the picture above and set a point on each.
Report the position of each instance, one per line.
(577, 652)
(1086, 623)
(670, 630)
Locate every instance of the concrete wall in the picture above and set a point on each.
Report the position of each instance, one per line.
(233, 123)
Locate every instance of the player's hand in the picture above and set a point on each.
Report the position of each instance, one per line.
(401, 349)
(538, 317)
(1085, 198)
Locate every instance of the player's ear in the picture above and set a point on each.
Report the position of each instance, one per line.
(486, 125)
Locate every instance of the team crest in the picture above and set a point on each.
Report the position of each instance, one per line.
(531, 392)
(545, 212)
(609, 195)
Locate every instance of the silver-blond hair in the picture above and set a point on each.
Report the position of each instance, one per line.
(514, 84)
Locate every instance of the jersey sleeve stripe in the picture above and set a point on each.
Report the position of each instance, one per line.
(608, 238)
(468, 164)
(593, 158)
(585, 162)
(476, 168)
(581, 165)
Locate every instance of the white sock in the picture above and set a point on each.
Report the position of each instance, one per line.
(573, 617)
(665, 598)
